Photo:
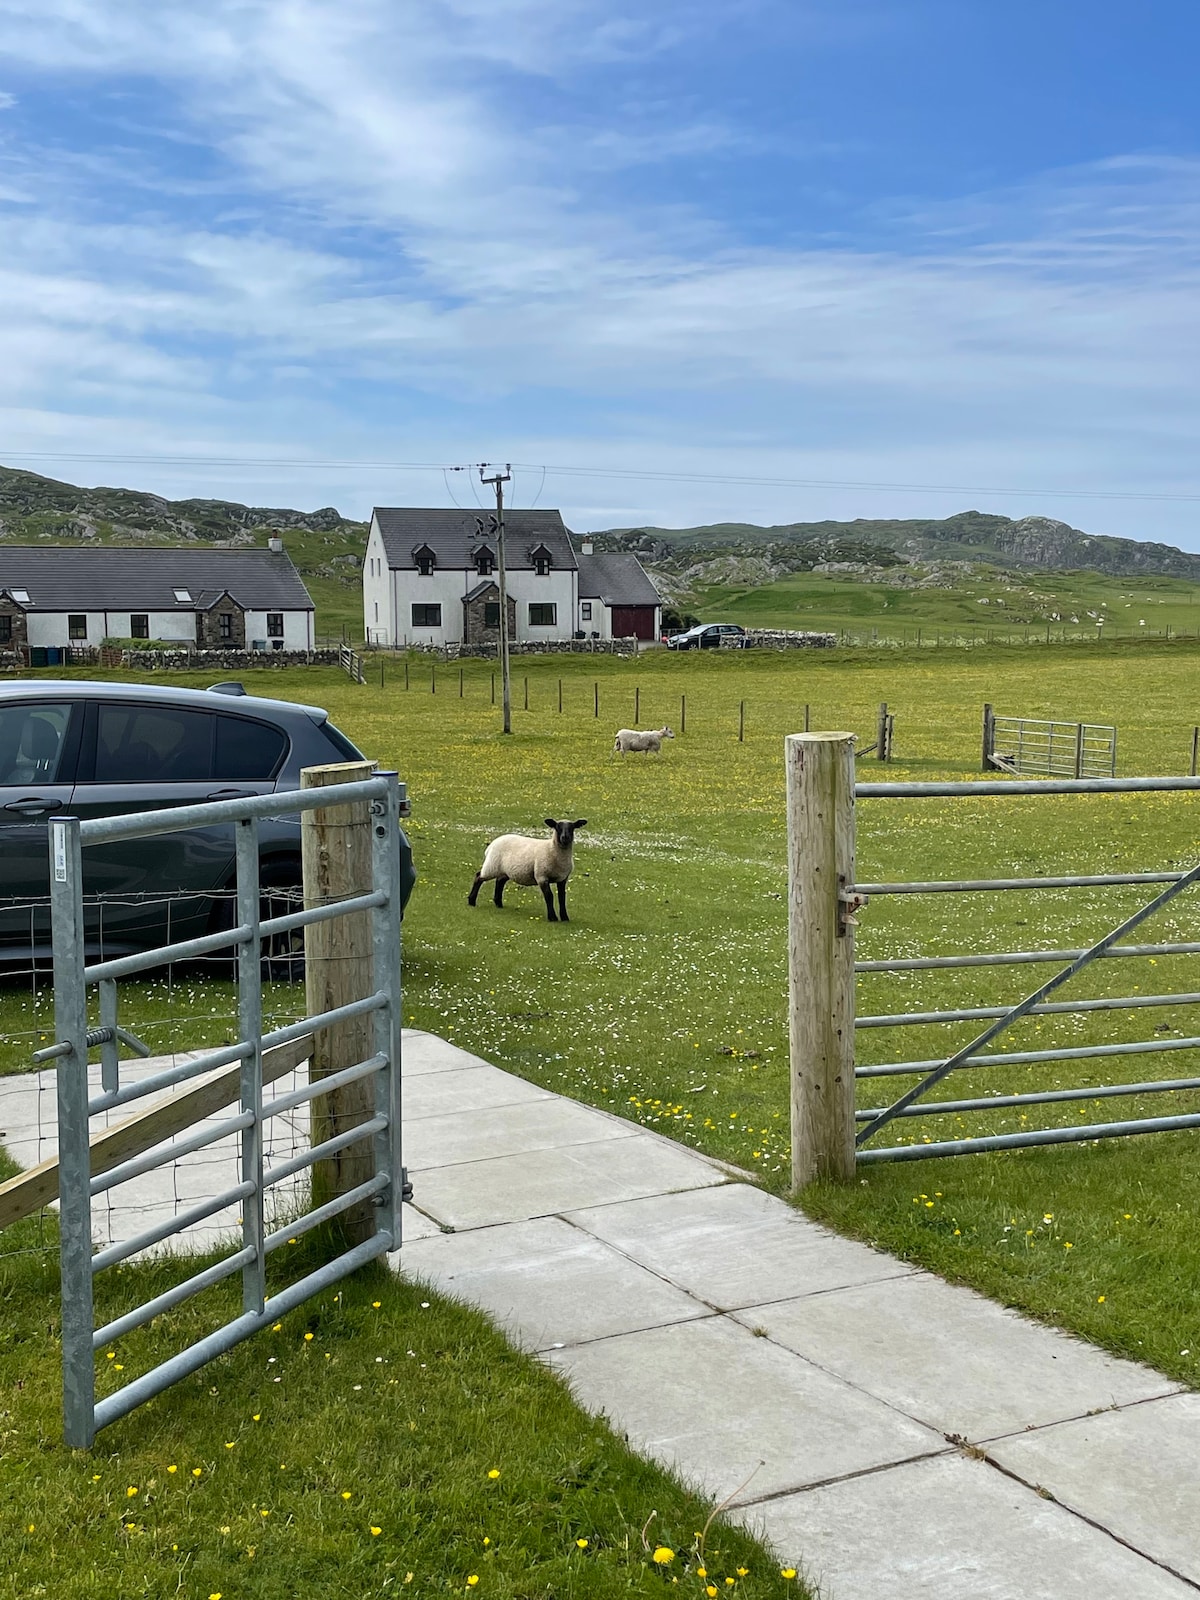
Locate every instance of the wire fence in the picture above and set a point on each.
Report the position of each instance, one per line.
(179, 1010)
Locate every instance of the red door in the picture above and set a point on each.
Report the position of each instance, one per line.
(633, 622)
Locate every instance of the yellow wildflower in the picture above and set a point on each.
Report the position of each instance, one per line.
(662, 1556)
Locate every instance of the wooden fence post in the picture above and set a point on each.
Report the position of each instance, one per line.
(883, 744)
(596, 699)
(335, 847)
(683, 713)
(989, 738)
(741, 721)
(1079, 749)
(1195, 748)
(637, 704)
(560, 696)
(820, 813)
(460, 683)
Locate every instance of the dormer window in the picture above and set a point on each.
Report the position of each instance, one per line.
(426, 560)
(542, 561)
(485, 562)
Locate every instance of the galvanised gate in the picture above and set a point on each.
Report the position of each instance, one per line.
(830, 1133)
(73, 979)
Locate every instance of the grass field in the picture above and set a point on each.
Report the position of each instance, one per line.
(1003, 604)
(664, 998)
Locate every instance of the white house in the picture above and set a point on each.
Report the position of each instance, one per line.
(616, 598)
(52, 596)
(429, 577)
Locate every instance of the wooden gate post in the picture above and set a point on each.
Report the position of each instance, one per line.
(335, 845)
(820, 813)
(989, 738)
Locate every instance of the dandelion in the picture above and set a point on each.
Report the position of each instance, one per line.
(663, 1557)
(787, 1572)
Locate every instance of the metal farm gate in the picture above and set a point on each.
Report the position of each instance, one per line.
(81, 1179)
(1030, 745)
(830, 1133)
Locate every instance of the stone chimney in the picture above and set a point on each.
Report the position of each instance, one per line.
(585, 549)
(275, 544)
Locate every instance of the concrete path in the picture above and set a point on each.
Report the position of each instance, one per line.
(892, 1436)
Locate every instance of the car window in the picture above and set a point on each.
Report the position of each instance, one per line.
(31, 743)
(247, 752)
(153, 744)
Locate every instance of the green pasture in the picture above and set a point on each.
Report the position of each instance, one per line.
(664, 998)
(983, 602)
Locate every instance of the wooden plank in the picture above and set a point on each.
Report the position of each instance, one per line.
(31, 1190)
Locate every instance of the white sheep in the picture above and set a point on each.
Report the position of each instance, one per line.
(514, 857)
(628, 739)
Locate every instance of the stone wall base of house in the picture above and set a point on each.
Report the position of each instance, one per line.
(547, 647)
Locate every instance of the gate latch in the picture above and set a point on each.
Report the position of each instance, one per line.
(849, 904)
(94, 1037)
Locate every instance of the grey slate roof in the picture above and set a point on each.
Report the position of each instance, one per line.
(617, 579)
(118, 578)
(453, 536)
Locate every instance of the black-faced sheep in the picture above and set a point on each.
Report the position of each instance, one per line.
(515, 858)
(630, 739)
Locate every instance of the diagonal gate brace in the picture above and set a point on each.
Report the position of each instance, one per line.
(1026, 1006)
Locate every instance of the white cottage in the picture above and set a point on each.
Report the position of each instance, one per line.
(59, 597)
(429, 577)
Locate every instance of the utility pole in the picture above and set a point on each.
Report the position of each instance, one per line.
(500, 479)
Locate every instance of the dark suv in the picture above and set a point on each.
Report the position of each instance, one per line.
(709, 636)
(96, 749)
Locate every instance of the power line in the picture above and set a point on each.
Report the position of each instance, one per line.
(631, 474)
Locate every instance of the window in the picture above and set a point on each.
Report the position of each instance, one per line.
(247, 752)
(139, 625)
(485, 563)
(144, 744)
(5, 630)
(427, 616)
(274, 624)
(585, 611)
(543, 616)
(426, 560)
(21, 596)
(542, 566)
(76, 627)
(491, 613)
(183, 596)
(31, 739)
(225, 626)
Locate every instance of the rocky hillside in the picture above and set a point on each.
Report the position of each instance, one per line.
(33, 507)
(972, 536)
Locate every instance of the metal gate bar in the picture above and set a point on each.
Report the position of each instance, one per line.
(1027, 1005)
(1125, 1002)
(83, 1415)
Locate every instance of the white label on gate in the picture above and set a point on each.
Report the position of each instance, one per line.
(59, 835)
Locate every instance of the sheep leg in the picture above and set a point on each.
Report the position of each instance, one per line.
(475, 887)
(562, 902)
(498, 895)
(549, 899)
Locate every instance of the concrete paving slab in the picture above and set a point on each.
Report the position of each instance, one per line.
(546, 1283)
(951, 1528)
(720, 1406)
(735, 1246)
(436, 1094)
(540, 1183)
(952, 1359)
(1132, 1470)
(547, 1124)
(422, 1053)
(415, 1225)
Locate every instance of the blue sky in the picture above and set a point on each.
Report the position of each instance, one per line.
(762, 259)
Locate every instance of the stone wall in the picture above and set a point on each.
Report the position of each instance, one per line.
(788, 639)
(546, 647)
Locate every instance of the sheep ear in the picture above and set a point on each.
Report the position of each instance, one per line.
(550, 822)
(581, 823)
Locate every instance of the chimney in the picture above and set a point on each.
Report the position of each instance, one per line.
(586, 547)
(275, 545)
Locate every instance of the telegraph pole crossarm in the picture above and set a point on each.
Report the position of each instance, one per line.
(500, 479)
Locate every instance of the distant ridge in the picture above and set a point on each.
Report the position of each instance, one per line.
(975, 536)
